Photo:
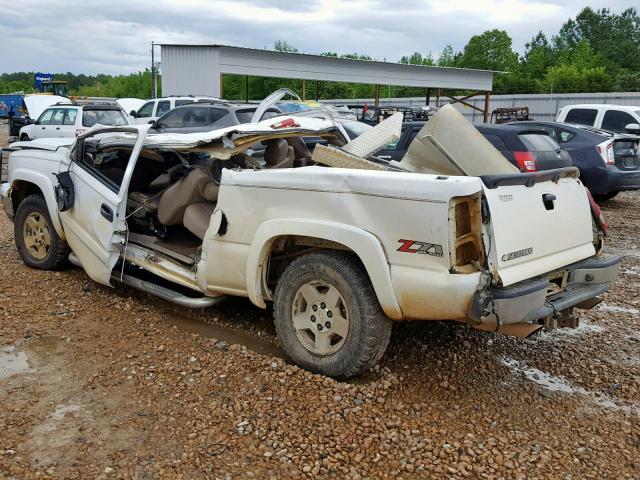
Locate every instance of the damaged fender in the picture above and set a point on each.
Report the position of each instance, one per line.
(362, 243)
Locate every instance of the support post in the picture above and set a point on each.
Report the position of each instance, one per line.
(438, 98)
(221, 86)
(427, 99)
(486, 106)
(304, 90)
(376, 100)
(317, 91)
(246, 88)
(153, 73)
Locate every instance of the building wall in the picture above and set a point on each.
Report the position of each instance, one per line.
(541, 106)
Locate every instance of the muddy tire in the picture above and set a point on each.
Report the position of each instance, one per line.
(37, 241)
(327, 315)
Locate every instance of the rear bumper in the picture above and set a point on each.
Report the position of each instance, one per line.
(622, 179)
(527, 302)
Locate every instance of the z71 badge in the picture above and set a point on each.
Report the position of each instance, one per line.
(413, 246)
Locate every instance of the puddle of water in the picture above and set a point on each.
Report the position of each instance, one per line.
(26, 355)
(13, 362)
(555, 383)
(618, 309)
(219, 332)
(62, 410)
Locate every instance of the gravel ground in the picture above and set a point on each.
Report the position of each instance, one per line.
(102, 383)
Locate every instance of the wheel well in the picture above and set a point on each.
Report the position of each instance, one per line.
(21, 190)
(284, 249)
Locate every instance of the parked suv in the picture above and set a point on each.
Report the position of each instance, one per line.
(157, 107)
(615, 118)
(70, 120)
(203, 117)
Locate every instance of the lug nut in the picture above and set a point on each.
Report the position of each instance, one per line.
(327, 324)
(313, 318)
(319, 327)
(329, 314)
(315, 307)
(323, 305)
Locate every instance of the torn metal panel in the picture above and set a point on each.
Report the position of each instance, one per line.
(385, 132)
(449, 145)
(334, 157)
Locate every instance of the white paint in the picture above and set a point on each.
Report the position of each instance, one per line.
(618, 309)
(555, 383)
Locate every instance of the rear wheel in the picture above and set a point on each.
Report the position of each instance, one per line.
(327, 315)
(37, 241)
(605, 196)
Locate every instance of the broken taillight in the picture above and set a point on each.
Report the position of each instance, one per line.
(526, 161)
(286, 123)
(467, 251)
(597, 214)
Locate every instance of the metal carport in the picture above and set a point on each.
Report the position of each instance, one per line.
(198, 70)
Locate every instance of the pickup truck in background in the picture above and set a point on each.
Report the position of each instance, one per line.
(341, 242)
(614, 118)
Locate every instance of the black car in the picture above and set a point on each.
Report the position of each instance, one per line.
(609, 162)
(530, 149)
(204, 117)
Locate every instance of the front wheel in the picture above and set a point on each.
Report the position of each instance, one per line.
(327, 315)
(37, 241)
(24, 137)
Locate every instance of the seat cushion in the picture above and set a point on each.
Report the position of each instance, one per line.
(188, 190)
(197, 217)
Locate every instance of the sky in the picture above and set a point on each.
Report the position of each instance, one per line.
(115, 36)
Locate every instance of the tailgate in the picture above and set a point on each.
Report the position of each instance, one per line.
(539, 222)
(627, 153)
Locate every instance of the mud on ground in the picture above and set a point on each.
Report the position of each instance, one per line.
(111, 383)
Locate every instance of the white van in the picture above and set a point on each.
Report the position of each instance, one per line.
(615, 118)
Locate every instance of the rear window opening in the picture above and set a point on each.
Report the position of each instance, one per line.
(112, 118)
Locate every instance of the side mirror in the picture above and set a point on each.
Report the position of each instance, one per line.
(152, 123)
(632, 128)
(133, 113)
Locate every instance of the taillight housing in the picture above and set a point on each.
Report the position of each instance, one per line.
(466, 251)
(605, 149)
(596, 213)
(526, 161)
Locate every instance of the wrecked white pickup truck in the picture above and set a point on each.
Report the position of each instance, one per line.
(452, 232)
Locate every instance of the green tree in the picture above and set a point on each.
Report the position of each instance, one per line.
(284, 46)
(416, 58)
(447, 57)
(490, 50)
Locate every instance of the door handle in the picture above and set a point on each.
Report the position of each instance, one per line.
(548, 199)
(106, 212)
(57, 128)
(42, 128)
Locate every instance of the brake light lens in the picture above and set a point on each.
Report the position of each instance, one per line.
(526, 161)
(597, 214)
(605, 149)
